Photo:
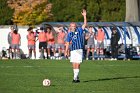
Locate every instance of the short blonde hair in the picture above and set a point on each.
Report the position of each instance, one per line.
(73, 23)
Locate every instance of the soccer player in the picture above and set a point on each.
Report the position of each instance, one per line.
(42, 43)
(10, 41)
(15, 44)
(50, 41)
(60, 41)
(100, 43)
(90, 42)
(31, 43)
(76, 53)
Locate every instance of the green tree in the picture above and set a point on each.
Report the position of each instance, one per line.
(30, 12)
(97, 10)
(67, 10)
(6, 13)
(114, 10)
(27, 12)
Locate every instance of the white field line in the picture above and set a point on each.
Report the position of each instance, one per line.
(29, 66)
(18, 66)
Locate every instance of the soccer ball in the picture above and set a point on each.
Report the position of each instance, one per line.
(46, 82)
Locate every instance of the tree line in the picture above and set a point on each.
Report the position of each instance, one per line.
(33, 12)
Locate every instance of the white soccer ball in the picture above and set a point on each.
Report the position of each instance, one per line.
(46, 82)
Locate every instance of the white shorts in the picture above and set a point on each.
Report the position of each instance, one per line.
(76, 56)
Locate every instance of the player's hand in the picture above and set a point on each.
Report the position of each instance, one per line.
(84, 13)
(66, 53)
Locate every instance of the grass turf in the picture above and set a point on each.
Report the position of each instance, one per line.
(26, 76)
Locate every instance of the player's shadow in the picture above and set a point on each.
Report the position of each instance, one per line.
(114, 78)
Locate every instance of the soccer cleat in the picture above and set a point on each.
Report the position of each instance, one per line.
(115, 58)
(76, 81)
(14, 57)
(59, 58)
(102, 59)
(73, 81)
(46, 57)
(111, 59)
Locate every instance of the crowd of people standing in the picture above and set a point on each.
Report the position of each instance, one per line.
(52, 44)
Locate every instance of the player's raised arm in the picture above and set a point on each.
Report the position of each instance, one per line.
(84, 13)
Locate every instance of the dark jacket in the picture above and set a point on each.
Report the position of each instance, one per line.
(115, 37)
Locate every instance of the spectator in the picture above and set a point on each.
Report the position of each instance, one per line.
(31, 43)
(100, 43)
(42, 43)
(10, 41)
(16, 42)
(90, 42)
(50, 41)
(60, 41)
(114, 43)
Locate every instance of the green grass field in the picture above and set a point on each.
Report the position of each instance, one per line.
(26, 76)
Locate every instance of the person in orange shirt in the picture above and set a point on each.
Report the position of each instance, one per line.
(100, 43)
(50, 42)
(42, 43)
(31, 42)
(15, 44)
(60, 41)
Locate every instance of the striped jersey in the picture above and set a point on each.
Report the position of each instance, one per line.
(76, 38)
